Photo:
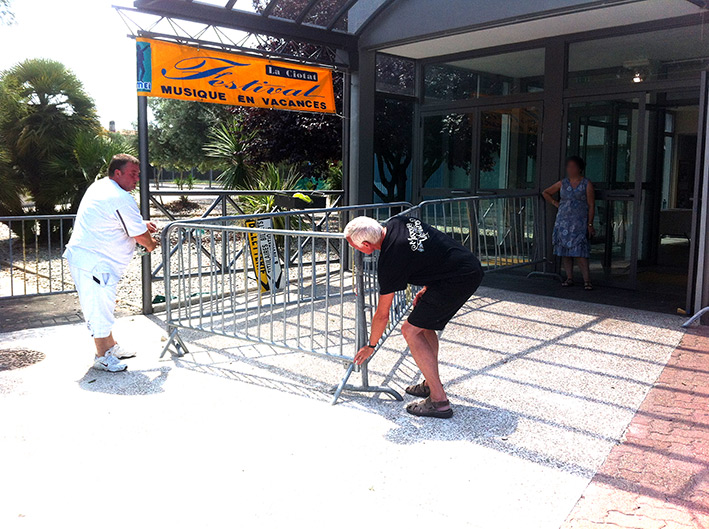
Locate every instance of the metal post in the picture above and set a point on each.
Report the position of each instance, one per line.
(146, 274)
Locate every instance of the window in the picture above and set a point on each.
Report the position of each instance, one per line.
(508, 148)
(393, 122)
(447, 151)
(676, 53)
(494, 75)
(395, 75)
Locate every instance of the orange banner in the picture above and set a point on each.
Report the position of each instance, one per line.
(175, 71)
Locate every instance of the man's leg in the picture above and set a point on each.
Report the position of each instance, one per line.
(104, 344)
(425, 355)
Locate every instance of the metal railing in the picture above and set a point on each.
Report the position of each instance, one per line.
(31, 248)
(327, 294)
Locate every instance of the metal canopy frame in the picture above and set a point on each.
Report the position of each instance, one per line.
(268, 33)
(294, 37)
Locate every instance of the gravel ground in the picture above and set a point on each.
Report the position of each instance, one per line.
(242, 434)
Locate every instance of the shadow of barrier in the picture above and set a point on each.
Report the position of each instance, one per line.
(262, 279)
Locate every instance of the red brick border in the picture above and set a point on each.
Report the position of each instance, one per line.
(658, 477)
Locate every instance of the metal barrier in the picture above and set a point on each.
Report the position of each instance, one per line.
(214, 282)
(279, 285)
(31, 248)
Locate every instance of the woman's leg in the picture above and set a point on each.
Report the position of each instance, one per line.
(568, 264)
(583, 265)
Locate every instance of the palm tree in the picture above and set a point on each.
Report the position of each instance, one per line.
(88, 160)
(227, 143)
(268, 177)
(44, 108)
(10, 201)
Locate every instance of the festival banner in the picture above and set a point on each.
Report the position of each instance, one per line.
(264, 255)
(175, 71)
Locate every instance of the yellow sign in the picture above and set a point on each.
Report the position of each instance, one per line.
(175, 71)
(264, 255)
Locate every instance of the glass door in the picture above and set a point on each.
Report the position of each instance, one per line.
(607, 135)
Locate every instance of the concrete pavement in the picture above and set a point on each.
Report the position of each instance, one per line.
(237, 434)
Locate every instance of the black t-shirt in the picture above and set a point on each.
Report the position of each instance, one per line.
(415, 253)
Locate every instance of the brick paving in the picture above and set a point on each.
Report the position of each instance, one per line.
(658, 476)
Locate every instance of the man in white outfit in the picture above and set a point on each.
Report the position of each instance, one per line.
(107, 227)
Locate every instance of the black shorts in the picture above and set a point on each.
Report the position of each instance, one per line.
(442, 300)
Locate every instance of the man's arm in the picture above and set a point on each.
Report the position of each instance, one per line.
(379, 325)
(146, 240)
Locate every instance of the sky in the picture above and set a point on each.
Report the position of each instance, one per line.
(87, 36)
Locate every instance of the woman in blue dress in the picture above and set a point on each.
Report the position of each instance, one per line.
(574, 221)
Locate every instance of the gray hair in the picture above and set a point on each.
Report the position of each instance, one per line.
(363, 229)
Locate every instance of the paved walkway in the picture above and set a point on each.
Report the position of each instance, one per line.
(237, 434)
(658, 477)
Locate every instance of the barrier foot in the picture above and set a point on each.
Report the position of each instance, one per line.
(176, 339)
(544, 274)
(342, 384)
(694, 318)
(364, 388)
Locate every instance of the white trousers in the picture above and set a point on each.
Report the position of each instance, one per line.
(97, 295)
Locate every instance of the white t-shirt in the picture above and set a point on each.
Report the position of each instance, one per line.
(102, 239)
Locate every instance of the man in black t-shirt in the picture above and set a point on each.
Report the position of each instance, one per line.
(412, 252)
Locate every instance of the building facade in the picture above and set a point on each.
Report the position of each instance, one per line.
(468, 97)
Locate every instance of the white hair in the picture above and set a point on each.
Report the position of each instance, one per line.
(363, 229)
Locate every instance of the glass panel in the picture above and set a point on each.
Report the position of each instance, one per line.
(395, 75)
(321, 14)
(612, 246)
(447, 151)
(677, 53)
(508, 148)
(393, 129)
(496, 75)
(290, 10)
(604, 135)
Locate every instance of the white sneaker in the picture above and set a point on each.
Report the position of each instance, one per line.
(108, 362)
(120, 353)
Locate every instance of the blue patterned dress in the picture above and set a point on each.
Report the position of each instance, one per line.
(571, 227)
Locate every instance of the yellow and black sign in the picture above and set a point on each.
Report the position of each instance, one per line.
(264, 255)
(174, 71)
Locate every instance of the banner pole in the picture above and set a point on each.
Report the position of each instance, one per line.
(146, 271)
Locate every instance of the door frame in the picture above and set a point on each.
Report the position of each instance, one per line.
(633, 195)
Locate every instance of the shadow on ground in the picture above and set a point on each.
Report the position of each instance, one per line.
(140, 382)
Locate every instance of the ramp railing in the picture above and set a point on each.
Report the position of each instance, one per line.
(504, 231)
(31, 248)
(265, 279)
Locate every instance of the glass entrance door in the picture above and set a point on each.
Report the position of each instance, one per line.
(607, 135)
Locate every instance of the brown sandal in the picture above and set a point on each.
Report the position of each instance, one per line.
(429, 408)
(568, 283)
(419, 390)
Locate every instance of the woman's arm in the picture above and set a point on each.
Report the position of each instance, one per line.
(591, 199)
(552, 190)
